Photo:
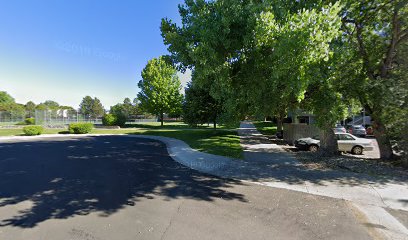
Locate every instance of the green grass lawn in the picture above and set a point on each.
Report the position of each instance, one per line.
(220, 142)
(224, 142)
(171, 125)
(266, 128)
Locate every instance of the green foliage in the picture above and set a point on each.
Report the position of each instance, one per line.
(160, 88)
(256, 57)
(91, 107)
(121, 119)
(30, 109)
(6, 98)
(52, 105)
(124, 111)
(29, 121)
(13, 110)
(41, 106)
(199, 106)
(80, 128)
(373, 53)
(109, 120)
(33, 130)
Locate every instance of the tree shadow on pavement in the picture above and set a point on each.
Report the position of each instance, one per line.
(77, 176)
(279, 166)
(266, 161)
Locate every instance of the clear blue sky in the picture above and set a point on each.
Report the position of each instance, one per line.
(64, 50)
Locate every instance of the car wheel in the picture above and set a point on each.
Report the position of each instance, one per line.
(313, 148)
(357, 150)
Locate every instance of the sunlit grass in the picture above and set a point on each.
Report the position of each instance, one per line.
(266, 128)
(219, 142)
(171, 125)
(224, 142)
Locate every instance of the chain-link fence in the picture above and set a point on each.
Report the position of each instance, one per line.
(11, 118)
(60, 118)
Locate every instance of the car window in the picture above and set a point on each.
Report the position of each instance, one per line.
(344, 137)
(317, 137)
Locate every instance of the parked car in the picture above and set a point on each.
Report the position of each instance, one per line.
(370, 130)
(339, 129)
(345, 141)
(357, 130)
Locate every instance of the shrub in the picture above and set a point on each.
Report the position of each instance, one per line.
(33, 130)
(80, 128)
(109, 120)
(120, 119)
(29, 121)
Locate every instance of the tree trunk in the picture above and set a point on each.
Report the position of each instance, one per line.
(279, 122)
(161, 118)
(215, 123)
(328, 142)
(384, 143)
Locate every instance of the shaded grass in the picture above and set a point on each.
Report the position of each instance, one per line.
(171, 125)
(224, 142)
(266, 128)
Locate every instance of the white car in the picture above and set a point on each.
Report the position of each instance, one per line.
(345, 141)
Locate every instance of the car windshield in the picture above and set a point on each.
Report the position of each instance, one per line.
(316, 137)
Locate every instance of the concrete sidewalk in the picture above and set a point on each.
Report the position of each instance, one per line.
(372, 196)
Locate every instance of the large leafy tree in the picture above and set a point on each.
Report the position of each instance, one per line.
(123, 111)
(160, 88)
(200, 107)
(257, 55)
(30, 108)
(12, 109)
(52, 105)
(91, 107)
(6, 98)
(374, 50)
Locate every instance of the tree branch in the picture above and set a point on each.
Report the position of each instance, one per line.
(403, 36)
(362, 49)
(395, 37)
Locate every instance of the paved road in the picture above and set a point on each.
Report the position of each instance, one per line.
(100, 188)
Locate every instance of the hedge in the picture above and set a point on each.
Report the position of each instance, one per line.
(29, 121)
(33, 130)
(109, 120)
(80, 128)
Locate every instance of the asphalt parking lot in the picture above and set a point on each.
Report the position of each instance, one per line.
(112, 187)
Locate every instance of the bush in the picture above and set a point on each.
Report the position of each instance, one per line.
(109, 120)
(120, 119)
(33, 130)
(80, 128)
(29, 121)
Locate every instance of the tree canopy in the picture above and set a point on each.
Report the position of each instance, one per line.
(199, 106)
(160, 88)
(91, 107)
(267, 57)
